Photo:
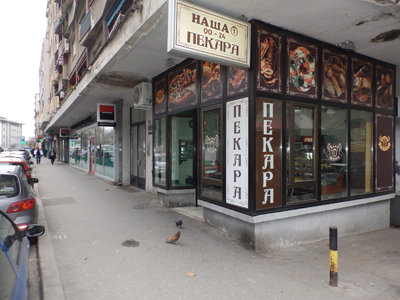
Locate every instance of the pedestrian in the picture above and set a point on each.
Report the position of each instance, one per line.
(45, 152)
(52, 155)
(38, 155)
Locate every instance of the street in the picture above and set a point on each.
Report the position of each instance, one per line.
(110, 242)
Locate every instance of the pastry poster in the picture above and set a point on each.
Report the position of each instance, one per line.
(384, 88)
(361, 93)
(334, 77)
(182, 91)
(160, 96)
(268, 59)
(237, 81)
(302, 69)
(211, 85)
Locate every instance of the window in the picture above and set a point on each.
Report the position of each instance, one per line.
(182, 160)
(334, 148)
(301, 154)
(211, 154)
(361, 146)
(160, 152)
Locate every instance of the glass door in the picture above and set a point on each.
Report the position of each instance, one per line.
(301, 152)
(138, 156)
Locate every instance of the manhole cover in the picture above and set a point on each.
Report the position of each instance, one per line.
(130, 243)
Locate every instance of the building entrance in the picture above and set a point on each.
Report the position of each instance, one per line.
(138, 155)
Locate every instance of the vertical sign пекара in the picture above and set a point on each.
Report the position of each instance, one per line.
(237, 118)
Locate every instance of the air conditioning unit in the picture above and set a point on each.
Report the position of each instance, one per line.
(142, 96)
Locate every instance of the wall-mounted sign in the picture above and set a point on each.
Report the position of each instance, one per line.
(268, 153)
(64, 132)
(237, 119)
(197, 32)
(384, 154)
(106, 113)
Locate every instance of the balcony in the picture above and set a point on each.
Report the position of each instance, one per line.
(58, 27)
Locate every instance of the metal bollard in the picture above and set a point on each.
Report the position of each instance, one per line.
(333, 256)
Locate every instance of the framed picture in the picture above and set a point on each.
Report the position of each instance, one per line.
(160, 95)
(335, 76)
(237, 81)
(302, 67)
(211, 83)
(182, 88)
(269, 48)
(361, 92)
(384, 88)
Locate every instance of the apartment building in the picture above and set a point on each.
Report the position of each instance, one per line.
(10, 134)
(264, 120)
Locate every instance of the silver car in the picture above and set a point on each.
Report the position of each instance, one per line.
(17, 197)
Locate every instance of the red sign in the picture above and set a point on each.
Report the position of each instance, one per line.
(64, 132)
(307, 139)
(106, 112)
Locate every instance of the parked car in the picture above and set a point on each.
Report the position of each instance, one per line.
(17, 161)
(17, 197)
(23, 153)
(212, 167)
(14, 258)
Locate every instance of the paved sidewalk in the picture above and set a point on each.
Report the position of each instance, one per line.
(108, 242)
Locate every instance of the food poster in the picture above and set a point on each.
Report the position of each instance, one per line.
(268, 60)
(361, 92)
(160, 95)
(384, 159)
(302, 69)
(237, 81)
(211, 84)
(384, 88)
(182, 90)
(335, 76)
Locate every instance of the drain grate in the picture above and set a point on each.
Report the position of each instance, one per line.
(130, 243)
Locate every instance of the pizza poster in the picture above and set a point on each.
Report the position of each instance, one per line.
(334, 77)
(268, 153)
(211, 84)
(361, 92)
(182, 88)
(384, 155)
(302, 69)
(269, 61)
(237, 81)
(384, 88)
(160, 96)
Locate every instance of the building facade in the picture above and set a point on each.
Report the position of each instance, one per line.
(11, 134)
(277, 135)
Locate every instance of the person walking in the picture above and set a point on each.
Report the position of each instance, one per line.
(38, 155)
(52, 155)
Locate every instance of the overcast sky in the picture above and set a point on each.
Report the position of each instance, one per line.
(23, 25)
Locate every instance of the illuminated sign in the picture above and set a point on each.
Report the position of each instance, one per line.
(199, 33)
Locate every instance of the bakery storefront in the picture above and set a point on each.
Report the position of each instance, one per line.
(276, 152)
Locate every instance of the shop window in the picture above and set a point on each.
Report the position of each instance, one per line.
(182, 160)
(334, 148)
(211, 154)
(301, 154)
(361, 139)
(160, 152)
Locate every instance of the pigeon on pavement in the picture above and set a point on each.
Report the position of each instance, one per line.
(174, 238)
(178, 223)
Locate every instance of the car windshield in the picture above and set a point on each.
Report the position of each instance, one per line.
(14, 164)
(8, 185)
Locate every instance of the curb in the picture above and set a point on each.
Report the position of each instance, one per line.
(50, 279)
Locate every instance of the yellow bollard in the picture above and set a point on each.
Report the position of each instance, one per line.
(333, 256)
